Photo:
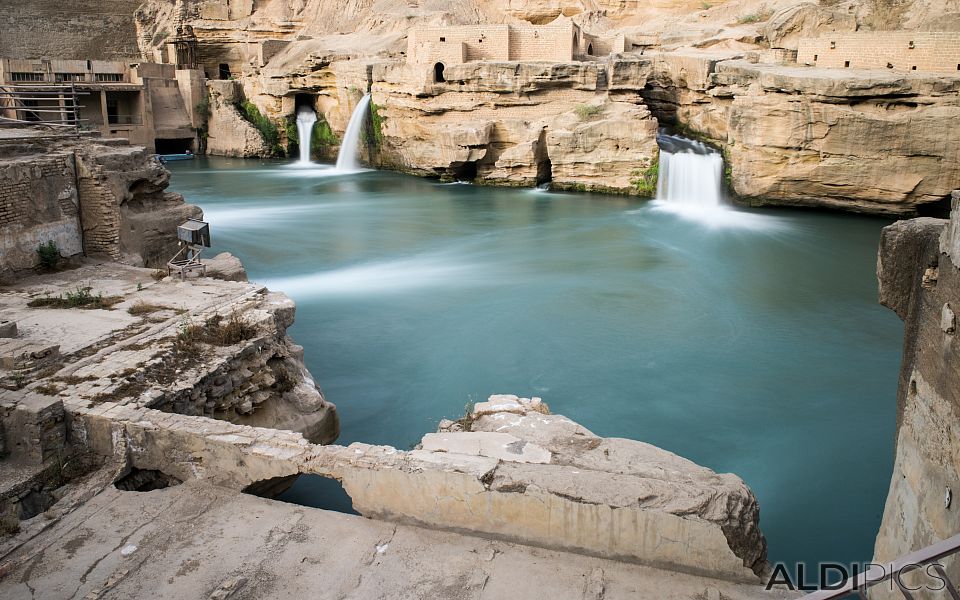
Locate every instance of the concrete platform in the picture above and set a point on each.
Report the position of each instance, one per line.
(199, 541)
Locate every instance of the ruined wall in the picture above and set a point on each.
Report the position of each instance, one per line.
(919, 272)
(546, 482)
(79, 29)
(38, 203)
(127, 215)
(482, 42)
(901, 50)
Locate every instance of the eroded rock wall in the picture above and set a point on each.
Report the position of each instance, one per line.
(920, 280)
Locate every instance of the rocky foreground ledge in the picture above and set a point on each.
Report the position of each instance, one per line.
(157, 382)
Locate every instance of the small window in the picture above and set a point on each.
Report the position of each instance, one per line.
(108, 77)
(846, 63)
(913, 68)
(911, 45)
(815, 57)
(443, 39)
(34, 77)
(480, 41)
(833, 45)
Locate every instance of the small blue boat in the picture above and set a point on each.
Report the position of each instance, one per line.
(169, 157)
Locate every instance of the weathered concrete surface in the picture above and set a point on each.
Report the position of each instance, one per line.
(196, 541)
(922, 284)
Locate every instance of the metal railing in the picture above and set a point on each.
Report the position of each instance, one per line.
(894, 572)
(39, 104)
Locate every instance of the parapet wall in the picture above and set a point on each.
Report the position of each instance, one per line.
(900, 50)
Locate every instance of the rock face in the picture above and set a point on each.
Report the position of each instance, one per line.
(228, 133)
(920, 280)
(816, 137)
(513, 124)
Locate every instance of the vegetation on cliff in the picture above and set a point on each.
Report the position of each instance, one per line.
(644, 180)
(267, 128)
(323, 137)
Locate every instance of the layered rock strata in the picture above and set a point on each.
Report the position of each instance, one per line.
(201, 347)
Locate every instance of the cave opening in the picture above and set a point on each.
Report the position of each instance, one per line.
(174, 146)
(438, 73)
(303, 99)
(463, 171)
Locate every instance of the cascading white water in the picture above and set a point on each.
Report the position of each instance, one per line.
(347, 158)
(690, 184)
(690, 173)
(306, 119)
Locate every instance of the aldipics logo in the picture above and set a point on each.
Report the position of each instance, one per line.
(835, 576)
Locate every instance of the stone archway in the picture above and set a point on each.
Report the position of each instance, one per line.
(438, 73)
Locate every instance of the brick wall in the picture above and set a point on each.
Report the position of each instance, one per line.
(38, 203)
(495, 44)
(930, 51)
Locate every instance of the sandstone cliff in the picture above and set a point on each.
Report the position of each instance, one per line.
(816, 137)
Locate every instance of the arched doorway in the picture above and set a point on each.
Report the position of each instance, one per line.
(438, 73)
(590, 49)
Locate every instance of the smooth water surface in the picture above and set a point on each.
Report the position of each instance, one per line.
(757, 350)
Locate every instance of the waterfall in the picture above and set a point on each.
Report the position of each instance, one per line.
(347, 158)
(690, 184)
(690, 173)
(306, 119)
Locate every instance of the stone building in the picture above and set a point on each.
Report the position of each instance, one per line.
(151, 105)
(932, 51)
(559, 41)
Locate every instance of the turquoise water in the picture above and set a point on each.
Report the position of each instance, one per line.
(755, 347)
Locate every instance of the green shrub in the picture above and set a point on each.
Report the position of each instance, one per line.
(268, 130)
(293, 136)
(82, 297)
(588, 111)
(49, 255)
(323, 137)
(644, 181)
